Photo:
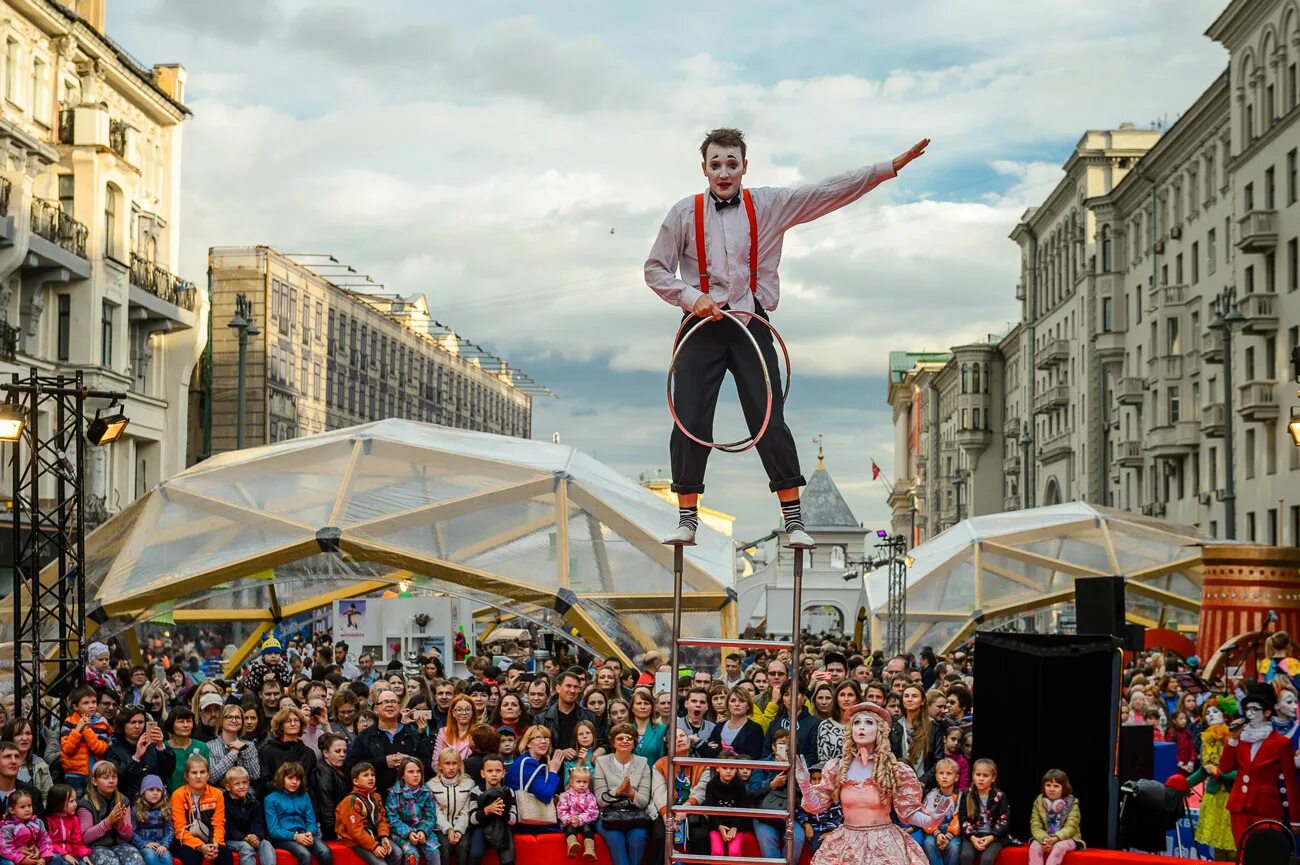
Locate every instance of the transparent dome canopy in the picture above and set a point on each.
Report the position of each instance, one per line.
(532, 527)
(993, 567)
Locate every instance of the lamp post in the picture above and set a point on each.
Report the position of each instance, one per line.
(1026, 443)
(957, 483)
(242, 321)
(1226, 317)
(1293, 427)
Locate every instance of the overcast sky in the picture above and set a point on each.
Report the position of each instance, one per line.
(513, 162)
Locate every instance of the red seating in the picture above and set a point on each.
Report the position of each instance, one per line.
(550, 850)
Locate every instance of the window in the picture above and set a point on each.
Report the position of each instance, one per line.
(1210, 251)
(40, 92)
(1173, 343)
(1250, 363)
(1291, 82)
(1270, 273)
(1270, 199)
(1107, 314)
(1270, 447)
(1249, 131)
(1196, 261)
(1250, 454)
(315, 380)
(975, 380)
(1248, 197)
(106, 334)
(1174, 407)
(1105, 249)
(112, 205)
(975, 417)
(1292, 265)
(965, 378)
(1249, 277)
(1178, 269)
(65, 326)
(11, 67)
(1291, 176)
(1250, 526)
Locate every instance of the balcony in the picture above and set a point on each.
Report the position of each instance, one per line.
(1109, 343)
(1260, 311)
(1011, 428)
(1212, 346)
(1011, 465)
(1012, 503)
(50, 222)
(1054, 351)
(1128, 454)
(968, 439)
(1055, 447)
(6, 194)
(1258, 401)
(161, 284)
(1173, 440)
(1212, 418)
(1257, 231)
(1130, 390)
(1174, 295)
(1167, 368)
(1057, 396)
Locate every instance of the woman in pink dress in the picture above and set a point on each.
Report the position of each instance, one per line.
(871, 784)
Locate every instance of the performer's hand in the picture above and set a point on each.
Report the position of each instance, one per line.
(916, 150)
(706, 308)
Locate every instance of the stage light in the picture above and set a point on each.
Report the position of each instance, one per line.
(1294, 426)
(12, 421)
(909, 561)
(107, 428)
(882, 533)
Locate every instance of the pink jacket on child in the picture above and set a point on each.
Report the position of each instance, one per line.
(65, 835)
(17, 834)
(576, 809)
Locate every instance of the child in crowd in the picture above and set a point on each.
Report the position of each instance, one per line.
(584, 746)
(725, 789)
(105, 817)
(246, 833)
(64, 827)
(578, 811)
(942, 844)
(413, 815)
(361, 822)
(507, 751)
(1054, 822)
(84, 738)
(23, 839)
(153, 822)
(199, 819)
(291, 821)
(954, 748)
(495, 811)
(453, 799)
(1180, 734)
(984, 814)
(818, 826)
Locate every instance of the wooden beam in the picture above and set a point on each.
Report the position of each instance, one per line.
(1165, 597)
(1187, 566)
(426, 514)
(245, 649)
(1005, 574)
(562, 531)
(692, 602)
(345, 482)
(1041, 561)
(938, 615)
(1110, 548)
(501, 538)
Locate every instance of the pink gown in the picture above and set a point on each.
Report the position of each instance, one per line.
(868, 836)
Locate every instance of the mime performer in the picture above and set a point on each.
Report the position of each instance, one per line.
(727, 243)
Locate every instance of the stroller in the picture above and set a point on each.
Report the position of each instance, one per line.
(1148, 811)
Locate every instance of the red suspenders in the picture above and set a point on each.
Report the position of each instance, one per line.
(753, 242)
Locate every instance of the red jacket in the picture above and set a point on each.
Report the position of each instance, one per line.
(1266, 785)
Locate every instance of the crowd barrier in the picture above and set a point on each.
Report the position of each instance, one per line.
(550, 850)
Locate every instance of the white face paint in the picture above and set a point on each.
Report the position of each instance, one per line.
(1287, 704)
(865, 729)
(1213, 715)
(724, 166)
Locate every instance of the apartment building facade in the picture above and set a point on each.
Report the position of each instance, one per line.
(1115, 379)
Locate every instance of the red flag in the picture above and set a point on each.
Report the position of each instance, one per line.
(875, 470)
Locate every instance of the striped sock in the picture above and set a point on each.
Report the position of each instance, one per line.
(793, 515)
(689, 517)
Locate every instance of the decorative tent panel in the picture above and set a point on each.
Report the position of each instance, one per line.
(1002, 565)
(521, 523)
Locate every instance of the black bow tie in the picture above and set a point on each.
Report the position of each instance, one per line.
(722, 204)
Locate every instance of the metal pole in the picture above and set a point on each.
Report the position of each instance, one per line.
(793, 679)
(243, 364)
(1229, 495)
(17, 542)
(679, 557)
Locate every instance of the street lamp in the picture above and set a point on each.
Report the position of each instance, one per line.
(242, 321)
(957, 483)
(1226, 317)
(12, 421)
(106, 429)
(1026, 442)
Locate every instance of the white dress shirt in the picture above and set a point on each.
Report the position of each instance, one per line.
(726, 239)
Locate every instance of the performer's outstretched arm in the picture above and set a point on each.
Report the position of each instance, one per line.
(802, 204)
(661, 268)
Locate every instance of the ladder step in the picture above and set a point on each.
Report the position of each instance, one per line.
(738, 642)
(776, 765)
(709, 811)
(710, 860)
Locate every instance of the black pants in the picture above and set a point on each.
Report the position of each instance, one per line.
(190, 856)
(586, 830)
(707, 357)
(970, 856)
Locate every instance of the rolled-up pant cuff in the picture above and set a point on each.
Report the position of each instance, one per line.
(689, 489)
(787, 483)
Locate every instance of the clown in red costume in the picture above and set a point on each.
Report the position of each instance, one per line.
(1265, 766)
(727, 245)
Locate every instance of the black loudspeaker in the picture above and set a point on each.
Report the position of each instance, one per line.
(1135, 637)
(1137, 752)
(1099, 605)
(1022, 724)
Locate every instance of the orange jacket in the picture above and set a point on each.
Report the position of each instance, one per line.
(81, 748)
(212, 811)
(360, 821)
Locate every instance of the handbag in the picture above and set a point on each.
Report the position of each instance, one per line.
(621, 814)
(197, 827)
(533, 811)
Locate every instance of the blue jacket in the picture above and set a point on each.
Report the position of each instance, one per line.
(544, 786)
(287, 814)
(154, 828)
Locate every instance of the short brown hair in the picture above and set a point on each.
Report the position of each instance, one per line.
(1059, 777)
(485, 739)
(723, 136)
(290, 769)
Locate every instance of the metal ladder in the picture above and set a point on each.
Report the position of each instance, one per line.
(683, 811)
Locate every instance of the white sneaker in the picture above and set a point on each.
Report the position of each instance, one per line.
(682, 536)
(800, 539)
